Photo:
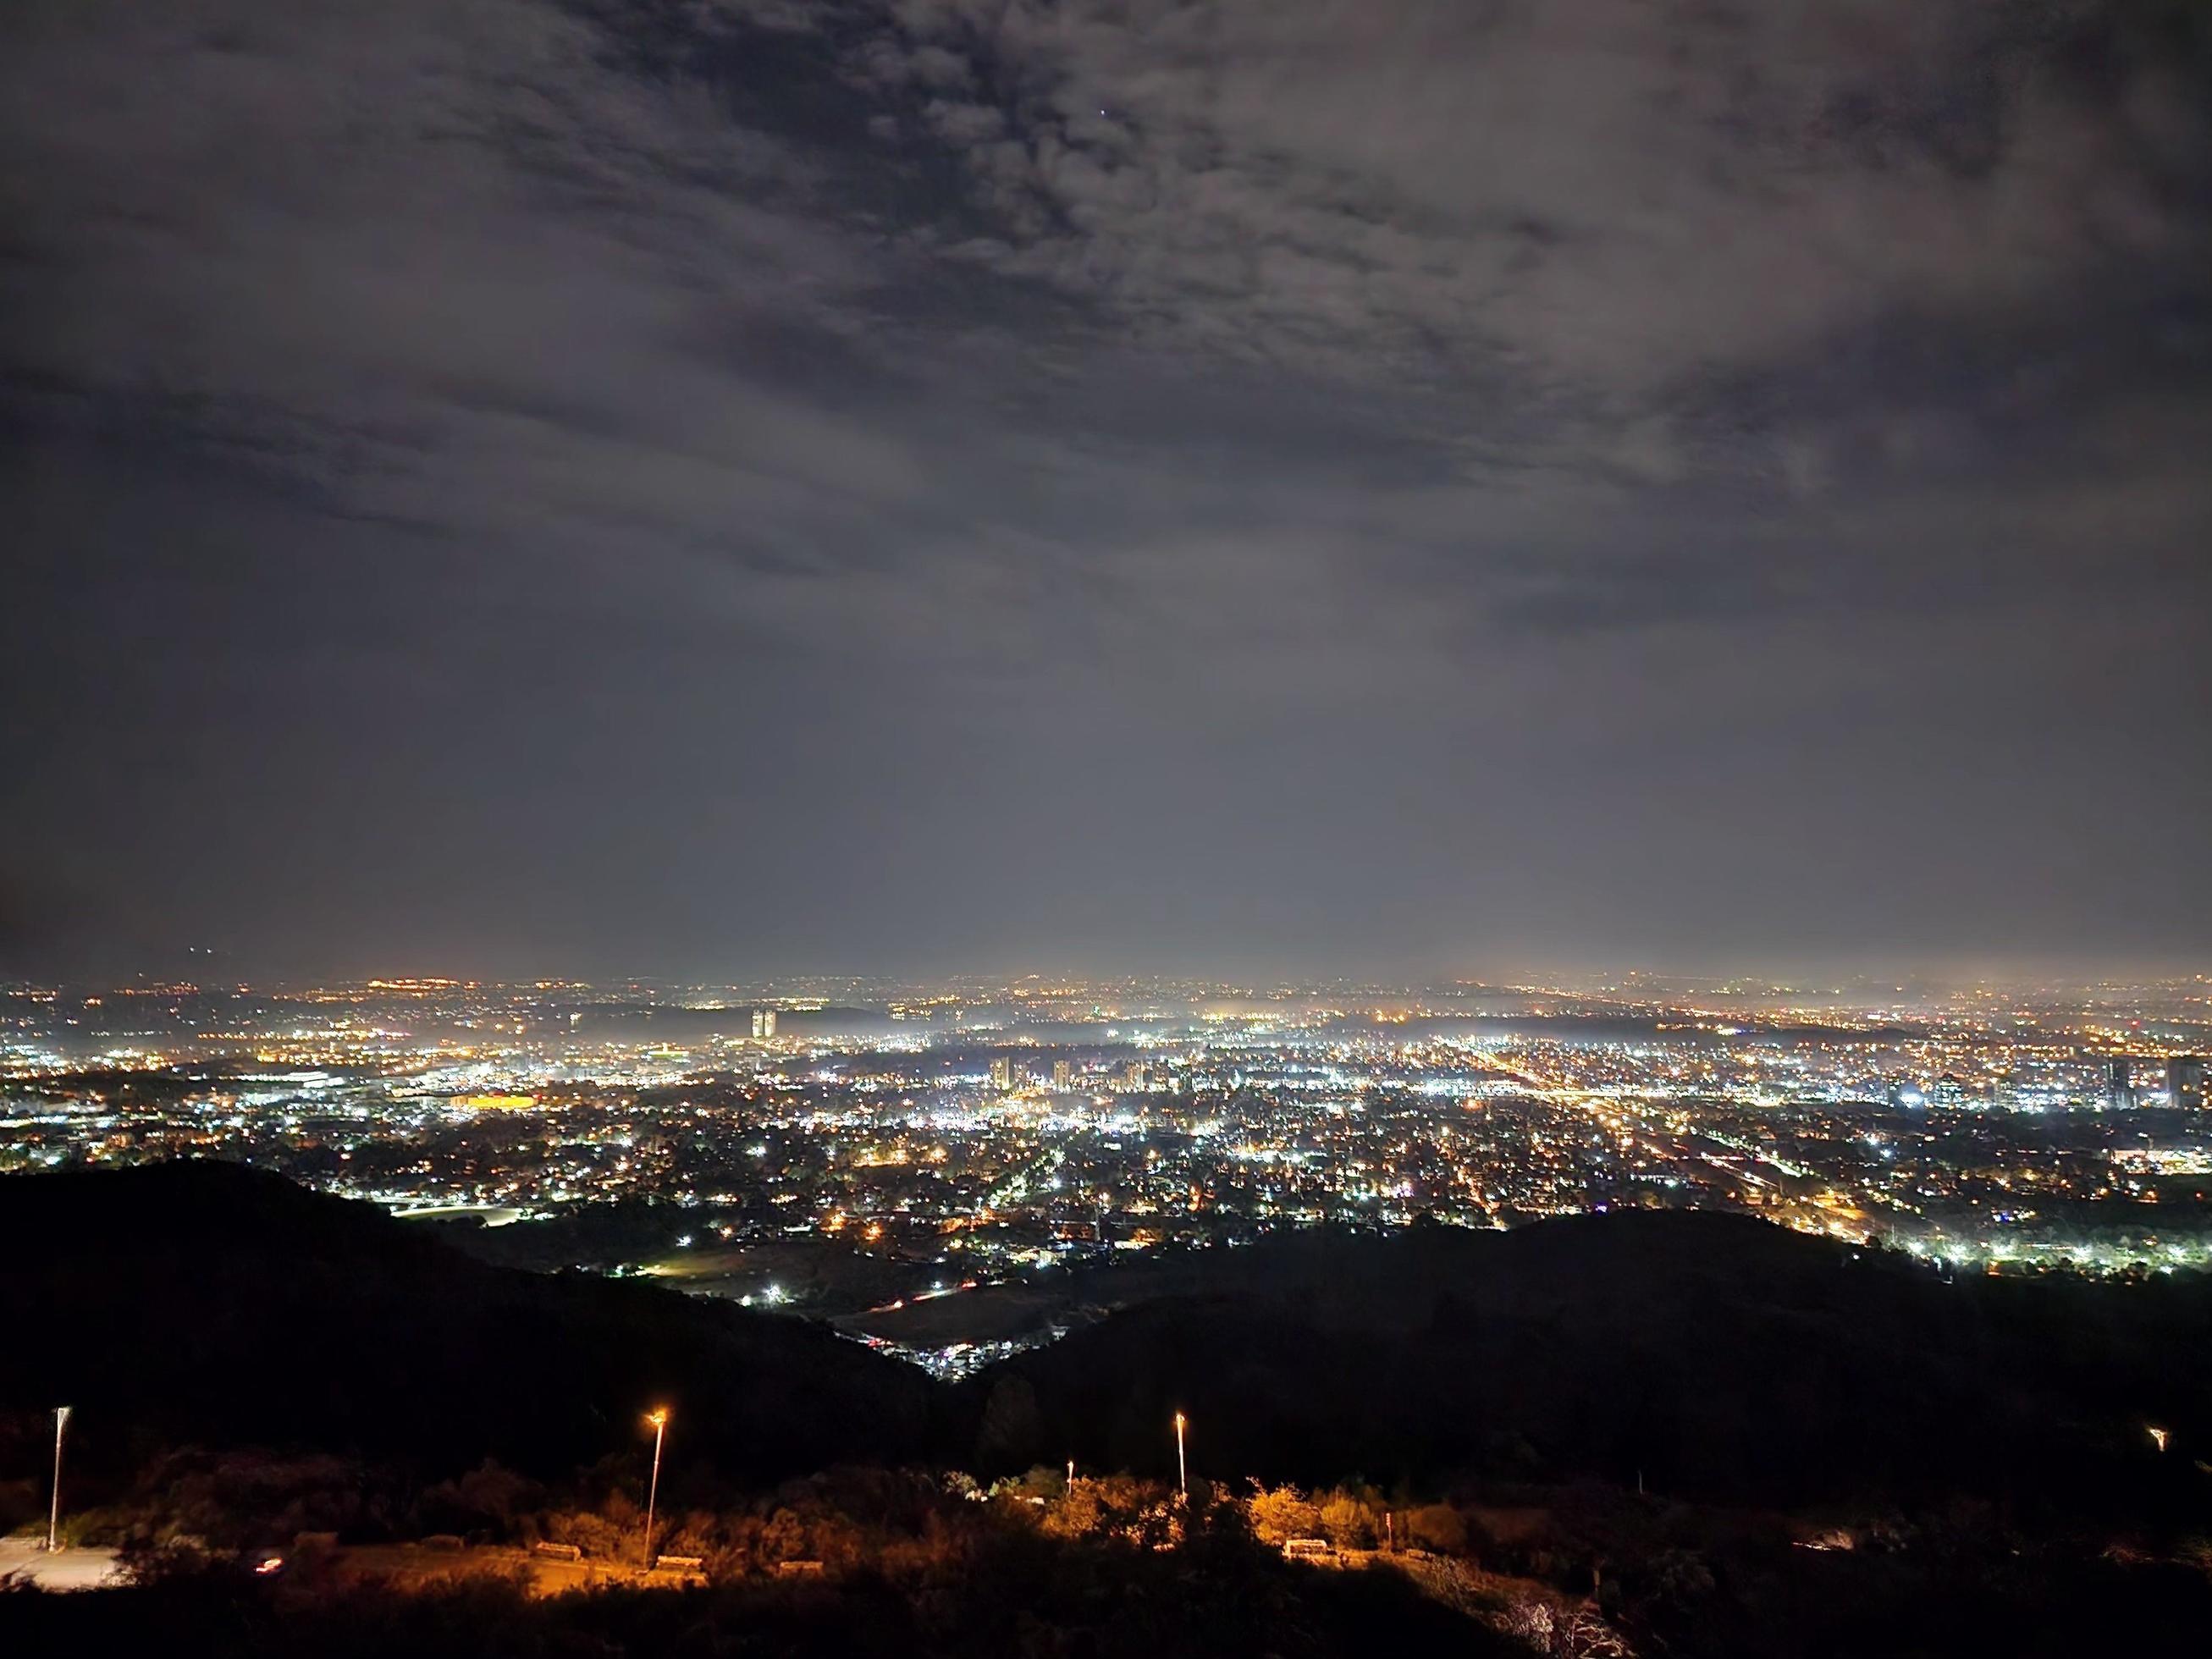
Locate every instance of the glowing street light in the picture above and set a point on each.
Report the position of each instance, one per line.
(54, 1514)
(659, 1418)
(2158, 1437)
(1182, 1468)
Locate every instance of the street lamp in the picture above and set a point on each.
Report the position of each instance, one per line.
(659, 1418)
(54, 1515)
(1182, 1469)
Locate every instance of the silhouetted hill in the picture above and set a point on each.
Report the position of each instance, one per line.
(1711, 1354)
(212, 1305)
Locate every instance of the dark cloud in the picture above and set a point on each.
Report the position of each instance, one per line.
(746, 484)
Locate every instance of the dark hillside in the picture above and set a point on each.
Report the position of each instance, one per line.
(211, 1305)
(1716, 1355)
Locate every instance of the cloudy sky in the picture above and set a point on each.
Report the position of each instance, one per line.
(724, 486)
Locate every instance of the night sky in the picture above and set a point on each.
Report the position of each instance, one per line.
(1364, 486)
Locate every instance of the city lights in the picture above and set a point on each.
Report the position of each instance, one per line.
(883, 1156)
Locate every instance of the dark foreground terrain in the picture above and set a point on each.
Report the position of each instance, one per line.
(1651, 1433)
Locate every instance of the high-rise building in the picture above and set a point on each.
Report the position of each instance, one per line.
(2185, 1082)
(763, 1023)
(1003, 1076)
(2119, 1082)
(1063, 1075)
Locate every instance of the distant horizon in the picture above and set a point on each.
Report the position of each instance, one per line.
(1582, 978)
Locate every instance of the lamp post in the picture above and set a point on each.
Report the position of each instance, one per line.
(54, 1514)
(1182, 1468)
(659, 1418)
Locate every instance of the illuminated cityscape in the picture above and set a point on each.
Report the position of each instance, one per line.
(1105, 829)
(852, 1150)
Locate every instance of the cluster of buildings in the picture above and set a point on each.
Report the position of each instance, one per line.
(1010, 1072)
(2185, 1082)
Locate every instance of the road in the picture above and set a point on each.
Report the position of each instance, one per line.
(66, 1570)
(407, 1564)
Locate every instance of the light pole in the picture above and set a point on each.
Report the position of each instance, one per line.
(1182, 1469)
(659, 1418)
(54, 1514)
